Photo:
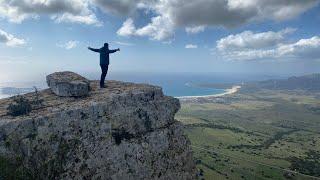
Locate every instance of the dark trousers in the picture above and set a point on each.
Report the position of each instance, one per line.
(104, 72)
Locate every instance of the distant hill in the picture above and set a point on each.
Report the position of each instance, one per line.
(308, 82)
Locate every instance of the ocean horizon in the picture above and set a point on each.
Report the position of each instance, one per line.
(177, 85)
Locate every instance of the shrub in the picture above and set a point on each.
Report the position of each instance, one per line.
(37, 102)
(19, 106)
(23, 106)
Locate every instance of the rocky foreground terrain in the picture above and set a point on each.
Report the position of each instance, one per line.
(126, 131)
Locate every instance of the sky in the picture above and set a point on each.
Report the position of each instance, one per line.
(38, 37)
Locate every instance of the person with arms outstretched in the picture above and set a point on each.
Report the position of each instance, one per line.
(104, 61)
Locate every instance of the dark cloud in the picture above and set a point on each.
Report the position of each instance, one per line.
(231, 13)
(46, 7)
(74, 11)
(118, 7)
(196, 15)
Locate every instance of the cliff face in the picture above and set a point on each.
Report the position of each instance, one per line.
(126, 131)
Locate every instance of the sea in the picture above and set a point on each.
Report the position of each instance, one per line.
(173, 84)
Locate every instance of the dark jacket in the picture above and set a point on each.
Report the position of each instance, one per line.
(104, 54)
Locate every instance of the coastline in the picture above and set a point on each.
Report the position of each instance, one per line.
(229, 91)
(232, 90)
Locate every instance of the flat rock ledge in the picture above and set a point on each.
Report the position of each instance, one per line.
(68, 84)
(126, 131)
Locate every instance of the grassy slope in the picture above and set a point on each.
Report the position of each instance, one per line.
(267, 127)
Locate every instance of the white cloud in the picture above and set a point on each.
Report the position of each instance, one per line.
(304, 48)
(191, 46)
(69, 45)
(195, 29)
(124, 43)
(159, 28)
(10, 40)
(128, 28)
(75, 11)
(267, 45)
(90, 19)
(249, 40)
(225, 13)
(252, 54)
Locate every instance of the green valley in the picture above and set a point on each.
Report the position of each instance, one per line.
(256, 133)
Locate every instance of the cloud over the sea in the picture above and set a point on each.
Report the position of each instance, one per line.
(218, 13)
(268, 45)
(166, 15)
(159, 29)
(74, 11)
(10, 40)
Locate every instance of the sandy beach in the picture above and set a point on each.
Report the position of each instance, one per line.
(232, 90)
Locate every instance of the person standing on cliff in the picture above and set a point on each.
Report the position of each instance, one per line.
(104, 61)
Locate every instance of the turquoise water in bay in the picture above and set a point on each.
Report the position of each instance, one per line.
(188, 89)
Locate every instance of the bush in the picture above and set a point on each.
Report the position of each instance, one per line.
(20, 106)
(36, 102)
(23, 106)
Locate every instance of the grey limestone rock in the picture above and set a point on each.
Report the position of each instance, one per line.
(126, 131)
(68, 84)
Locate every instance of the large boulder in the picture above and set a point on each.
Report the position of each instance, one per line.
(68, 84)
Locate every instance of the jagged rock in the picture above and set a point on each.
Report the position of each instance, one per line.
(68, 84)
(126, 131)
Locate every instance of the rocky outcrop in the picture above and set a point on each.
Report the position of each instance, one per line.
(126, 131)
(68, 84)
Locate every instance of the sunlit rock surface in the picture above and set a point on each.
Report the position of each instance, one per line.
(126, 131)
(68, 84)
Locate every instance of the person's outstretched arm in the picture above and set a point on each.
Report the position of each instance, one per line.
(114, 50)
(94, 50)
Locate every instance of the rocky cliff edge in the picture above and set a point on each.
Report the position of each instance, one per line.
(126, 131)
